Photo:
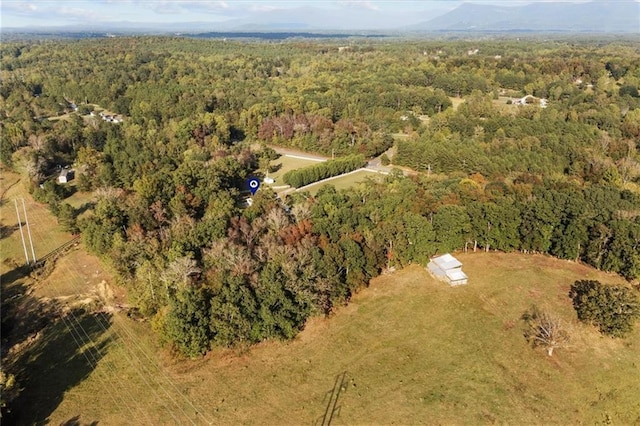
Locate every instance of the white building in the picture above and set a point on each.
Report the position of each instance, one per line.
(65, 175)
(448, 269)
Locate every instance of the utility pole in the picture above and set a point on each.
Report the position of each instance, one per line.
(21, 233)
(26, 219)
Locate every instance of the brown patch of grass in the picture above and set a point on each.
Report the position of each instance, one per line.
(78, 274)
(456, 102)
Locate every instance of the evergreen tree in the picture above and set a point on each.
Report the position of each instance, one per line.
(611, 308)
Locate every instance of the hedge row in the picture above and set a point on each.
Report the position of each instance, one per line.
(305, 176)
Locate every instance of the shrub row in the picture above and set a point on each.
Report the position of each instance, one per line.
(305, 176)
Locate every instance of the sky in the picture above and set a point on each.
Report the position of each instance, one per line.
(356, 14)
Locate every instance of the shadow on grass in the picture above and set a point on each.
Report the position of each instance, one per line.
(14, 293)
(9, 280)
(85, 207)
(75, 421)
(274, 168)
(332, 398)
(64, 356)
(6, 231)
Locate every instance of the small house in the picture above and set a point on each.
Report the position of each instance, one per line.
(65, 175)
(448, 269)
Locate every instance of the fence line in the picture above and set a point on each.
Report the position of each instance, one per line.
(55, 251)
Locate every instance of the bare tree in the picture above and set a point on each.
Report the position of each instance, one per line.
(545, 330)
(229, 258)
(629, 169)
(179, 272)
(276, 219)
(109, 193)
(38, 142)
(301, 211)
(34, 168)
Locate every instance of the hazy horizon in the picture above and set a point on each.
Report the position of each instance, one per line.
(302, 15)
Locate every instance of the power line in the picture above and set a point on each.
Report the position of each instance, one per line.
(21, 233)
(73, 332)
(132, 357)
(33, 253)
(143, 374)
(135, 352)
(197, 410)
(69, 323)
(90, 344)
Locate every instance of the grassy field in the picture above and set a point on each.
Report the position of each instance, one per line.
(502, 104)
(345, 181)
(407, 350)
(45, 232)
(80, 199)
(285, 164)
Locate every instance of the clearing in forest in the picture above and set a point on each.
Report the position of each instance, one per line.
(406, 349)
(343, 181)
(286, 163)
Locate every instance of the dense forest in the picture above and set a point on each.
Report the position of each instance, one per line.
(198, 116)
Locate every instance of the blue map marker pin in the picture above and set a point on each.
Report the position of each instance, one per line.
(254, 184)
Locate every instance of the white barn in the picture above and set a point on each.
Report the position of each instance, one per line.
(65, 175)
(448, 269)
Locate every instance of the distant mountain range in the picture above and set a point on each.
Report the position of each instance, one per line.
(617, 16)
(597, 16)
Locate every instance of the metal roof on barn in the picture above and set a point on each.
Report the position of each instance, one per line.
(447, 268)
(446, 261)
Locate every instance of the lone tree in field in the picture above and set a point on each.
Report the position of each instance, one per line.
(611, 308)
(544, 330)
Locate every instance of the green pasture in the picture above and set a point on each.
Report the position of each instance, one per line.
(407, 350)
(283, 164)
(344, 181)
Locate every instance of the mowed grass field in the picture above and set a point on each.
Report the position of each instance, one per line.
(406, 350)
(344, 181)
(284, 164)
